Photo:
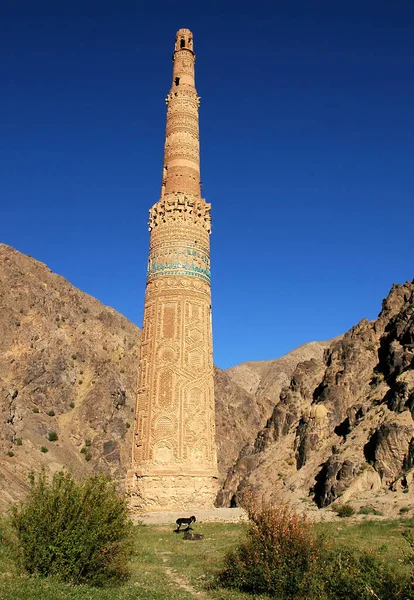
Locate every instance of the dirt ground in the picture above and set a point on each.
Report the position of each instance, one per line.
(223, 515)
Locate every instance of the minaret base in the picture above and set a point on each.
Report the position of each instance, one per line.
(164, 493)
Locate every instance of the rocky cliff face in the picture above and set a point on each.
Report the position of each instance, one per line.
(245, 397)
(342, 428)
(266, 378)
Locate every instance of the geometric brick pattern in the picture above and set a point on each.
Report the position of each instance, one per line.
(174, 462)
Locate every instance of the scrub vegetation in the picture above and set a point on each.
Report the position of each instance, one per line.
(75, 531)
(275, 555)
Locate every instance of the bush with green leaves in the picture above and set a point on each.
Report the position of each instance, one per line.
(284, 557)
(77, 531)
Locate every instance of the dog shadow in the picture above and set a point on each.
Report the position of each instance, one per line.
(177, 530)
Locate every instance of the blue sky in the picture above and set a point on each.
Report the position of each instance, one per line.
(307, 141)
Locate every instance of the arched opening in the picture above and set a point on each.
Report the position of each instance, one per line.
(182, 43)
(177, 81)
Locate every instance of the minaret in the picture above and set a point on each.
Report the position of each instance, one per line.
(174, 464)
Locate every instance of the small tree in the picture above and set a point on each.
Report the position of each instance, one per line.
(78, 531)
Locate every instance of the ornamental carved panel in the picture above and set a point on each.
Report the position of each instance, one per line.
(174, 452)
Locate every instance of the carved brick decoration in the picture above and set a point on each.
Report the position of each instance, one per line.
(174, 463)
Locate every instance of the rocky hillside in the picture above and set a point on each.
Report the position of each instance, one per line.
(343, 429)
(245, 397)
(266, 378)
(323, 423)
(68, 369)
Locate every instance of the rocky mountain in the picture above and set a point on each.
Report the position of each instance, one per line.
(245, 397)
(266, 378)
(342, 429)
(326, 421)
(69, 369)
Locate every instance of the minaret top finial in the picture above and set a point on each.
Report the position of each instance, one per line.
(184, 39)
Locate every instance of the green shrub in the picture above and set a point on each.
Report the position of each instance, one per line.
(35, 410)
(88, 443)
(369, 510)
(44, 449)
(53, 436)
(51, 413)
(19, 442)
(88, 456)
(76, 531)
(72, 405)
(10, 453)
(344, 510)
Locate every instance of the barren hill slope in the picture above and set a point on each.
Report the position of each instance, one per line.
(246, 395)
(343, 429)
(68, 364)
(268, 377)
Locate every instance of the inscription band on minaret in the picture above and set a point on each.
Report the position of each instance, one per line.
(174, 463)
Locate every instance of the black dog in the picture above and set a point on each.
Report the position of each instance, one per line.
(185, 521)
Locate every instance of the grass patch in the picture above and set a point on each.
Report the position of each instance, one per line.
(162, 562)
(370, 536)
(369, 510)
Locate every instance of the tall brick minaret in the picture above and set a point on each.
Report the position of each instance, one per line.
(174, 464)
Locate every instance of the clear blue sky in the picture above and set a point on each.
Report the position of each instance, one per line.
(307, 137)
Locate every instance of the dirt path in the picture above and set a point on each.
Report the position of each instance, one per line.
(179, 580)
